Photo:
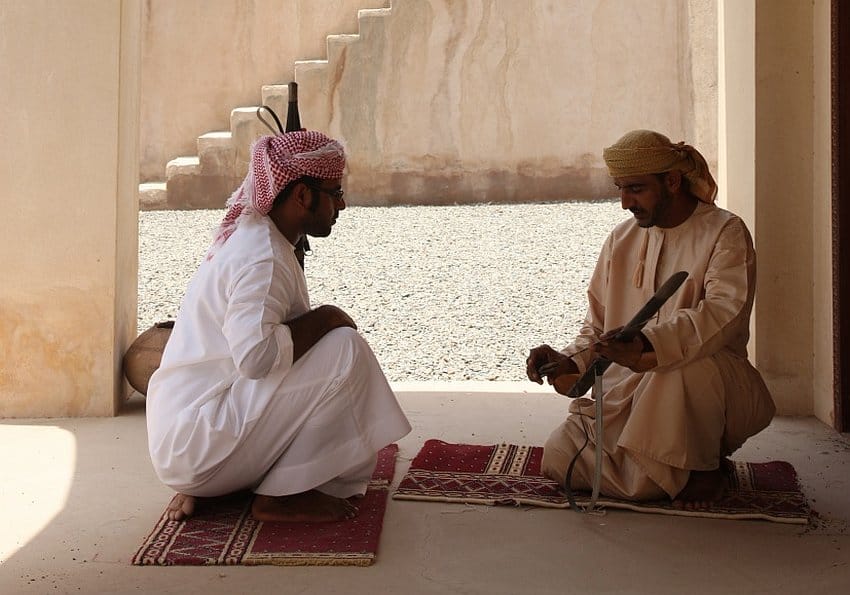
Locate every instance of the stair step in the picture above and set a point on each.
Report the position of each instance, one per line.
(337, 44)
(371, 13)
(245, 128)
(343, 38)
(208, 179)
(213, 140)
(215, 153)
(277, 98)
(308, 66)
(313, 94)
(188, 187)
(182, 165)
(372, 21)
(153, 196)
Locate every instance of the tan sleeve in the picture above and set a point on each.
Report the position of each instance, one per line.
(724, 311)
(594, 319)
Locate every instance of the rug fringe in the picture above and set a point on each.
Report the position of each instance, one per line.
(318, 561)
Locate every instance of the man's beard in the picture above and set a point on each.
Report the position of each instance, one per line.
(661, 207)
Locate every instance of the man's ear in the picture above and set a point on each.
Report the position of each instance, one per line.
(302, 195)
(673, 179)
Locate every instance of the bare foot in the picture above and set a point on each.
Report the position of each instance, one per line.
(306, 507)
(181, 506)
(703, 489)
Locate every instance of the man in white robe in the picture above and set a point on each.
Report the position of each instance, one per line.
(256, 390)
(681, 396)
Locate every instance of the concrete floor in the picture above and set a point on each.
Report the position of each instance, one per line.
(79, 495)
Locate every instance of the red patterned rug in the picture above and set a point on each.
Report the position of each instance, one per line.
(222, 532)
(510, 474)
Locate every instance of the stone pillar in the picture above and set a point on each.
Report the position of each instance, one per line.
(767, 177)
(822, 292)
(69, 103)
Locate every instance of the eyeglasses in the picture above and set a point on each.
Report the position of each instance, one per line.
(335, 194)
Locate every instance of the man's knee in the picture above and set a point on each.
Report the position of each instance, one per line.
(346, 337)
(343, 333)
(350, 351)
(341, 340)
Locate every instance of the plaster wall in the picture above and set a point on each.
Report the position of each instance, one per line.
(700, 47)
(504, 101)
(443, 101)
(202, 58)
(736, 109)
(68, 235)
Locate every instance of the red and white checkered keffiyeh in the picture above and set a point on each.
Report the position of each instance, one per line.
(275, 162)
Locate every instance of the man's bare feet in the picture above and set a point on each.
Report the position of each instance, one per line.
(703, 489)
(181, 506)
(306, 507)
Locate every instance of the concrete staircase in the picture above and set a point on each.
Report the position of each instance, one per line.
(206, 180)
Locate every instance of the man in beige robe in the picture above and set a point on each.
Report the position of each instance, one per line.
(682, 395)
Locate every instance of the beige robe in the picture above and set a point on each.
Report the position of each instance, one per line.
(705, 398)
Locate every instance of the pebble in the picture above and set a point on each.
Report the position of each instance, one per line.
(439, 292)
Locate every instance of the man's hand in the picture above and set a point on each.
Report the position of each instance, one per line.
(629, 354)
(308, 328)
(332, 317)
(558, 369)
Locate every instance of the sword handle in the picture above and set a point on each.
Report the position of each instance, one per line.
(628, 332)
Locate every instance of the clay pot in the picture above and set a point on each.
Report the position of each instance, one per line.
(143, 357)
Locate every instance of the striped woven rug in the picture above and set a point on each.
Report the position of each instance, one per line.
(223, 532)
(510, 474)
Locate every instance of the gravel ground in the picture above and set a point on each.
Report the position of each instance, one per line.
(440, 293)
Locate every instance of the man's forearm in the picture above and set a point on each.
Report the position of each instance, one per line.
(309, 328)
(306, 330)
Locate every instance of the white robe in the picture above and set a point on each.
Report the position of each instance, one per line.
(704, 399)
(229, 410)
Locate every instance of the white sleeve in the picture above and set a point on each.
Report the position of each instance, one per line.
(258, 304)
